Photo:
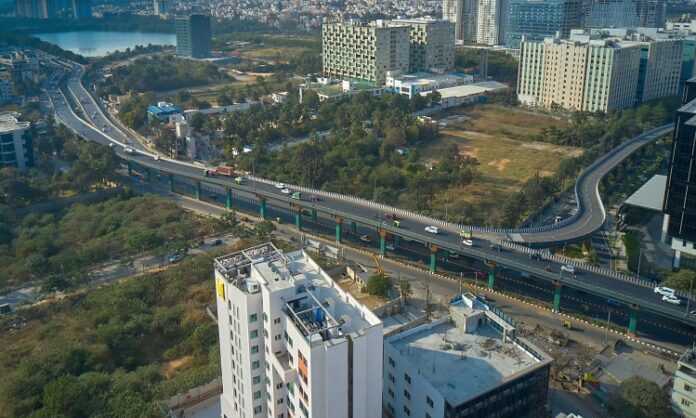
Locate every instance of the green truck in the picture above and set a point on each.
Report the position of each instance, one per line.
(297, 195)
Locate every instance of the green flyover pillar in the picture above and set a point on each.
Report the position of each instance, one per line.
(198, 190)
(298, 219)
(557, 296)
(633, 321)
(170, 181)
(339, 223)
(148, 174)
(262, 206)
(382, 243)
(397, 239)
(433, 259)
(314, 215)
(491, 275)
(228, 198)
(130, 167)
(354, 227)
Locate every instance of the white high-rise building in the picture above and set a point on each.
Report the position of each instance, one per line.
(463, 13)
(292, 342)
(490, 25)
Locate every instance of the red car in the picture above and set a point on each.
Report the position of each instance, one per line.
(390, 215)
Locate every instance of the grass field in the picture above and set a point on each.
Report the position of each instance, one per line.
(277, 54)
(499, 139)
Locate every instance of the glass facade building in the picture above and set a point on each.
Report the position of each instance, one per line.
(535, 20)
(193, 36)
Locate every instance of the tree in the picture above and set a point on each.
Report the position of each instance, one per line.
(680, 280)
(405, 289)
(378, 285)
(641, 398)
(197, 120)
(264, 228)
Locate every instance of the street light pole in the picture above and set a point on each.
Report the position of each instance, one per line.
(640, 257)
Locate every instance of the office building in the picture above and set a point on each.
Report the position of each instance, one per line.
(684, 387)
(365, 51)
(463, 13)
(82, 9)
(490, 21)
(15, 142)
(535, 20)
(679, 223)
(591, 73)
(624, 13)
(469, 364)
(292, 342)
(36, 9)
(161, 7)
(431, 45)
(193, 36)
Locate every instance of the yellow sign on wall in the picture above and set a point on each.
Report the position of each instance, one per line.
(220, 287)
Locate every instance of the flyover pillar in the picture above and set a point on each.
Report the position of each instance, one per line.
(198, 190)
(130, 168)
(148, 175)
(262, 206)
(633, 321)
(314, 215)
(228, 198)
(298, 217)
(382, 243)
(170, 182)
(491, 275)
(433, 259)
(557, 296)
(354, 227)
(339, 224)
(397, 239)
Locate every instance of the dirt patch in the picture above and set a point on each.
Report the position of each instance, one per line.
(169, 367)
(354, 288)
(500, 164)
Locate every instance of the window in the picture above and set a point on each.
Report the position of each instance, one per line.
(390, 407)
(257, 394)
(688, 388)
(407, 378)
(685, 402)
(253, 318)
(391, 378)
(276, 321)
(279, 385)
(392, 362)
(280, 401)
(407, 411)
(277, 337)
(429, 401)
(256, 380)
(407, 395)
(257, 410)
(255, 365)
(253, 333)
(391, 392)
(254, 349)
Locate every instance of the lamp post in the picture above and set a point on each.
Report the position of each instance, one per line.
(640, 257)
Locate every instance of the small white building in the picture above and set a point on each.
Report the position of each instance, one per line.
(292, 342)
(280, 97)
(684, 388)
(468, 93)
(417, 83)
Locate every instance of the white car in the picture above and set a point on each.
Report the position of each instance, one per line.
(432, 229)
(569, 268)
(390, 247)
(468, 242)
(280, 186)
(103, 129)
(671, 299)
(664, 291)
(111, 144)
(156, 157)
(286, 191)
(365, 238)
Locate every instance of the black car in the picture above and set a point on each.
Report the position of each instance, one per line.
(535, 256)
(216, 242)
(495, 247)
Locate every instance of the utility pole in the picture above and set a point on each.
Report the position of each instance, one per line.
(606, 329)
(640, 257)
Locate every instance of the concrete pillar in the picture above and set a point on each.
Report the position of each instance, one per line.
(633, 321)
(665, 226)
(148, 175)
(198, 190)
(382, 243)
(433, 259)
(130, 167)
(557, 296)
(170, 181)
(354, 227)
(298, 219)
(397, 239)
(491, 275)
(339, 224)
(262, 206)
(314, 215)
(228, 198)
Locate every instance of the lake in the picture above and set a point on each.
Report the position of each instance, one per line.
(97, 43)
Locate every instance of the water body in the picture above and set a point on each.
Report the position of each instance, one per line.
(98, 43)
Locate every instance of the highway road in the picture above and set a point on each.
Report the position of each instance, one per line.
(370, 216)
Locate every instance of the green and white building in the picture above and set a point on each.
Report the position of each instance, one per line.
(431, 45)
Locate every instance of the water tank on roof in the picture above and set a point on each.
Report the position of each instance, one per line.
(252, 286)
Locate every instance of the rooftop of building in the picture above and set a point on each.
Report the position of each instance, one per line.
(319, 308)
(442, 353)
(163, 109)
(9, 121)
(424, 77)
(688, 357)
(468, 89)
(336, 89)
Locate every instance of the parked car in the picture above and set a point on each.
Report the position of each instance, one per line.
(495, 247)
(664, 291)
(671, 299)
(568, 268)
(432, 229)
(535, 256)
(614, 302)
(365, 238)
(468, 242)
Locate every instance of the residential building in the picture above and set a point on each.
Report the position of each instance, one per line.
(624, 13)
(684, 387)
(6, 94)
(36, 9)
(490, 21)
(365, 52)
(463, 13)
(82, 9)
(680, 200)
(328, 89)
(469, 364)
(164, 112)
(162, 7)
(417, 83)
(193, 36)
(590, 72)
(292, 342)
(16, 148)
(536, 20)
(431, 44)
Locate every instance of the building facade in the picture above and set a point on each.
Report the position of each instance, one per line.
(490, 21)
(16, 148)
(431, 45)
(36, 9)
(193, 36)
(463, 13)
(660, 69)
(437, 370)
(684, 387)
(292, 342)
(535, 20)
(365, 51)
(680, 200)
(624, 13)
(161, 7)
(82, 9)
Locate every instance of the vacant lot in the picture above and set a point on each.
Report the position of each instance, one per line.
(501, 141)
